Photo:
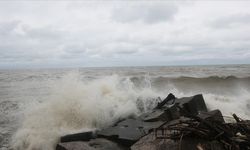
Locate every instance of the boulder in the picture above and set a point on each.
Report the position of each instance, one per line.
(191, 105)
(84, 136)
(214, 115)
(169, 98)
(128, 131)
(164, 114)
(93, 144)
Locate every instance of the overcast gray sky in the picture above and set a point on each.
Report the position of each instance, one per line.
(38, 33)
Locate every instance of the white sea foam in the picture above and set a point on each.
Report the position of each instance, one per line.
(77, 105)
(238, 104)
(80, 105)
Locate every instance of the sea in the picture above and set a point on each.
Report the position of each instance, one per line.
(37, 106)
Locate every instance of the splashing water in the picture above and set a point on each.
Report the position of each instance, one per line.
(78, 106)
(78, 103)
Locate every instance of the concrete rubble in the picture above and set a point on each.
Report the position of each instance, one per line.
(174, 124)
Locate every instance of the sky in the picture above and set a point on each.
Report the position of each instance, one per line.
(80, 33)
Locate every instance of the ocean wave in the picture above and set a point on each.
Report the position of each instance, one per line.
(191, 78)
(78, 105)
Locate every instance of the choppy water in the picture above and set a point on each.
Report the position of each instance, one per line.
(38, 106)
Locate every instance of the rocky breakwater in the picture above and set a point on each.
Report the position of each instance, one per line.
(174, 124)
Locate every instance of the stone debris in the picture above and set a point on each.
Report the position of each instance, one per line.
(174, 124)
(191, 105)
(85, 136)
(93, 144)
(169, 98)
(214, 115)
(164, 114)
(129, 130)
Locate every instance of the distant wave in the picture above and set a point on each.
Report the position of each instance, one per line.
(183, 78)
(184, 83)
(209, 78)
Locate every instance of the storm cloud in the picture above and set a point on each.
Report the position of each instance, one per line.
(123, 33)
(151, 12)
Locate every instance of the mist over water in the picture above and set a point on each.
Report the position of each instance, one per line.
(39, 106)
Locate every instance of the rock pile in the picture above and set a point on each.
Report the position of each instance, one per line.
(174, 124)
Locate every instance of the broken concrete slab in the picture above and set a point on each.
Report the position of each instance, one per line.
(155, 115)
(129, 130)
(166, 114)
(93, 144)
(165, 101)
(214, 115)
(191, 105)
(84, 136)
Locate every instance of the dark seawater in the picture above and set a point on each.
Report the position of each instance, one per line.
(38, 106)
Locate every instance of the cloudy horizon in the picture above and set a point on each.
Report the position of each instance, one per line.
(48, 34)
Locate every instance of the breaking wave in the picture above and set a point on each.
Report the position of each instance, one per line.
(80, 104)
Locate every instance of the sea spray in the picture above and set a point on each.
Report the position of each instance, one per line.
(228, 104)
(78, 105)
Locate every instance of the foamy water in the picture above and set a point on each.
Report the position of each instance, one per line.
(40, 106)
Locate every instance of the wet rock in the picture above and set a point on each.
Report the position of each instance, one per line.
(155, 115)
(129, 131)
(166, 114)
(85, 136)
(165, 101)
(94, 144)
(172, 113)
(214, 115)
(191, 105)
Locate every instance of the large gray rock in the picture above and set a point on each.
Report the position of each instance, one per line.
(169, 98)
(191, 105)
(84, 136)
(128, 131)
(94, 144)
(164, 114)
(214, 115)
